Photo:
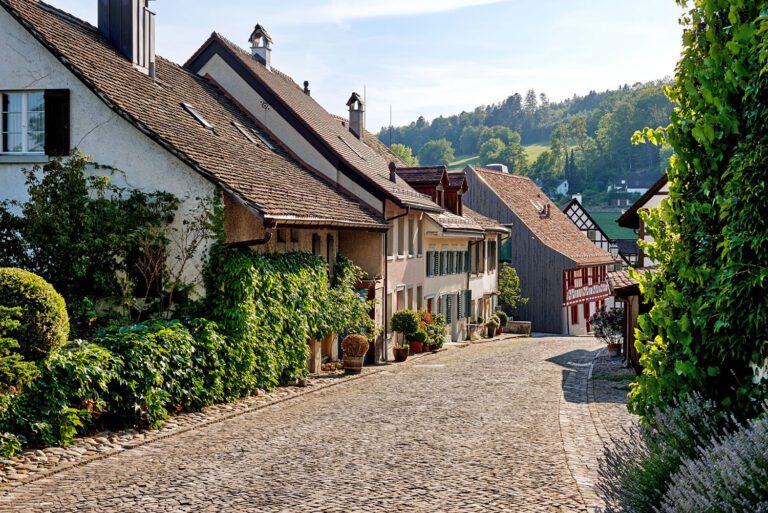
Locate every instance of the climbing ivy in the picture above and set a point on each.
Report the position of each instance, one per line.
(707, 329)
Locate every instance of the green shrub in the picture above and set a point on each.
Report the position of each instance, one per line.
(405, 322)
(509, 288)
(419, 335)
(434, 324)
(67, 398)
(503, 318)
(636, 473)
(157, 373)
(729, 475)
(15, 372)
(44, 323)
(10, 444)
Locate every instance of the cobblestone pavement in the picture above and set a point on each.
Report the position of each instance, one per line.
(493, 427)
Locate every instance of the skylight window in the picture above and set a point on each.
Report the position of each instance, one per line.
(263, 138)
(197, 116)
(244, 131)
(351, 148)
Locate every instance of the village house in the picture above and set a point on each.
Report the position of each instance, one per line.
(461, 251)
(348, 155)
(624, 287)
(66, 84)
(561, 271)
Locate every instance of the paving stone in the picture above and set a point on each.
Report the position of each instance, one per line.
(500, 426)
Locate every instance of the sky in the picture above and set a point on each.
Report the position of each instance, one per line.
(434, 57)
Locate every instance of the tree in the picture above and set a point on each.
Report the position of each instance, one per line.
(706, 330)
(469, 141)
(509, 288)
(405, 154)
(531, 103)
(439, 152)
(491, 151)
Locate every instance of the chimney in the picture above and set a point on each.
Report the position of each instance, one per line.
(392, 172)
(578, 197)
(129, 26)
(356, 115)
(261, 46)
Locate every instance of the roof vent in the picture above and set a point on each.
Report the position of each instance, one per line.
(261, 46)
(129, 26)
(306, 88)
(392, 172)
(356, 115)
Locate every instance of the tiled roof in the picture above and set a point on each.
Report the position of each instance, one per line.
(269, 181)
(622, 281)
(425, 175)
(451, 222)
(488, 224)
(457, 179)
(556, 231)
(333, 131)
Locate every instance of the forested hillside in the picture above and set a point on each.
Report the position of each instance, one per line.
(588, 136)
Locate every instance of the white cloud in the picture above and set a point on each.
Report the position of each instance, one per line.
(343, 11)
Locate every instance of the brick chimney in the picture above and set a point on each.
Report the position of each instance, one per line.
(261, 46)
(356, 115)
(129, 26)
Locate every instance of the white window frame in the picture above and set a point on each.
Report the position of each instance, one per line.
(24, 124)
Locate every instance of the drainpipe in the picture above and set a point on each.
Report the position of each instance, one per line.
(248, 243)
(386, 282)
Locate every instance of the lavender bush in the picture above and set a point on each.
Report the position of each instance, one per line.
(728, 476)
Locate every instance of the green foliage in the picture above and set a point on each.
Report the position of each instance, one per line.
(608, 325)
(104, 248)
(439, 152)
(706, 331)
(347, 310)
(405, 153)
(10, 444)
(589, 135)
(15, 372)
(503, 318)
(405, 322)
(509, 288)
(637, 473)
(268, 306)
(419, 335)
(67, 398)
(434, 325)
(43, 324)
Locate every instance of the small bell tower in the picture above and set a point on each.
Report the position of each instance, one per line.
(261, 46)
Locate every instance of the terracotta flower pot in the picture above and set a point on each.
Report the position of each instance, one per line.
(353, 364)
(614, 349)
(401, 354)
(415, 347)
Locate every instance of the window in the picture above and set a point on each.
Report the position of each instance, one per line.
(390, 308)
(23, 122)
(197, 116)
(283, 234)
(419, 298)
(401, 236)
(294, 235)
(575, 314)
(492, 256)
(430, 263)
(263, 138)
(330, 251)
(591, 235)
(411, 235)
(481, 257)
(391, 241)
(409, 300)
(316, 244)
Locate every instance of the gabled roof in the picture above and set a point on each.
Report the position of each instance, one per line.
(334, 133)
(488, 224)
(622, 283)
(575, 206)
(555, 231)
(426, 176)
(631, 218)
(268, 181)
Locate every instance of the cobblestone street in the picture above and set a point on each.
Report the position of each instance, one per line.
(501, 426)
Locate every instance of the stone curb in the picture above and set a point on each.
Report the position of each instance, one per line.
(217, 417)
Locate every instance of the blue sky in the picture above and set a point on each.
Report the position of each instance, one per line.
(433, 57)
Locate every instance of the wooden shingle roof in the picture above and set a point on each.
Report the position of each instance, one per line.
(554, 230)
(334, 132)
(267, 180)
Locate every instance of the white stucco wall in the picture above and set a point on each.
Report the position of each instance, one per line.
(282, 130)
(94, 129)
(653, 202)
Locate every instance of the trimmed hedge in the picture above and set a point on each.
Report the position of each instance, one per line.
(44, 323)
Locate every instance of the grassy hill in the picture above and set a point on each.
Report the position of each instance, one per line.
(607, 221)
(532, 150)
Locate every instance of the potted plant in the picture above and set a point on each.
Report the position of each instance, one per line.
(491, 325)
(436, 331)
(418, 341)
(405, 323)
(503, 320)
(354, 347)
(401, 351)
(608, 326)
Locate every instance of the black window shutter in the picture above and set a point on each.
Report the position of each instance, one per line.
(57, 122)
